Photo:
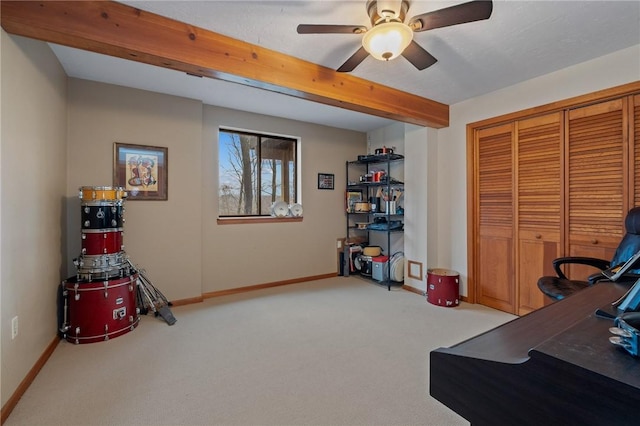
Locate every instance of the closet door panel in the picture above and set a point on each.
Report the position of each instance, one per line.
(596, 186)
(496, 287)
(539, 211)
(634, 134)
(495, 251)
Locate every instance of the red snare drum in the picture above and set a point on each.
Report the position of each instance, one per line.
(97, 311)
(102, 241)
(443, 287)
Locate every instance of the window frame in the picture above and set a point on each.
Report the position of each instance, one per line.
(296, 181)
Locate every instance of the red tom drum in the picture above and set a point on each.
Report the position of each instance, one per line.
(443, 287)
(102, 241)
(98, 311)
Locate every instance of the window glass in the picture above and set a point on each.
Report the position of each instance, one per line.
(254, 172)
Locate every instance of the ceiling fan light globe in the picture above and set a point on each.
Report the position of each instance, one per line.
(388, 40)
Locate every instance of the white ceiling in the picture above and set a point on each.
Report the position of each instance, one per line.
(521, 40)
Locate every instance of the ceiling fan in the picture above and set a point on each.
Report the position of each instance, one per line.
(390, 37)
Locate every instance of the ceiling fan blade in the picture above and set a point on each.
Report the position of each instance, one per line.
(419, 57)
(454, 15)
(330, 29)
(354, 60)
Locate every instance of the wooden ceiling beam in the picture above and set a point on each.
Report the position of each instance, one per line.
(115, 29)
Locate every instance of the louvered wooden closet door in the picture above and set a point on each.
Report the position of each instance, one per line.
(635, 135)
(539, 190)
(494, 183)
(597, 184)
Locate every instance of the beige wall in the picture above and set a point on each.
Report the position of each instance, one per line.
(179, 243)
(243, 255)
(163, 237)
(32, 200)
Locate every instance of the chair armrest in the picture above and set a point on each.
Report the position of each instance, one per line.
(590, 261)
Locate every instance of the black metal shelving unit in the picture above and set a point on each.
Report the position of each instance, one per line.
(387, 222)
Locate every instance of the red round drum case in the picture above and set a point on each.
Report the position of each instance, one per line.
(443, 287)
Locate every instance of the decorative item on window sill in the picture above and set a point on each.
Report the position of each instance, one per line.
(295, 210)
(279, 209)
(282, 209)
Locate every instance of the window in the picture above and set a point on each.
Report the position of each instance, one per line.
(255, 171)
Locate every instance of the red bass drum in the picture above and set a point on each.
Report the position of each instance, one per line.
(98, 311)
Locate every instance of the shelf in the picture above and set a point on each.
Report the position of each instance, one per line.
(362, 185)
(380, 158)
(377, 214)
(366, 168)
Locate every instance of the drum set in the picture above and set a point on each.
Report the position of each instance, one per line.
(105, 298)
(100, 301)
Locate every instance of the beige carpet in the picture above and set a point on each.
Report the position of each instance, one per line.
(339, 351)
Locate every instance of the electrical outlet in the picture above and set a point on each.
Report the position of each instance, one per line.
(14, 327)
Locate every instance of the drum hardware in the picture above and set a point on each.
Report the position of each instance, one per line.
(65, 327)
(151, 298)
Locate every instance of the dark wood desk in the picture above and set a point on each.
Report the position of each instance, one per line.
(555, 366)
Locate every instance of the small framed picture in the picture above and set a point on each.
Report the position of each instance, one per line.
(141, 170)
(325, 181)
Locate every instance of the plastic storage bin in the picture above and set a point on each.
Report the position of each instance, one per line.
(380, 268)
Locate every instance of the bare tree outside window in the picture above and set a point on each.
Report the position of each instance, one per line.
(255, 171)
